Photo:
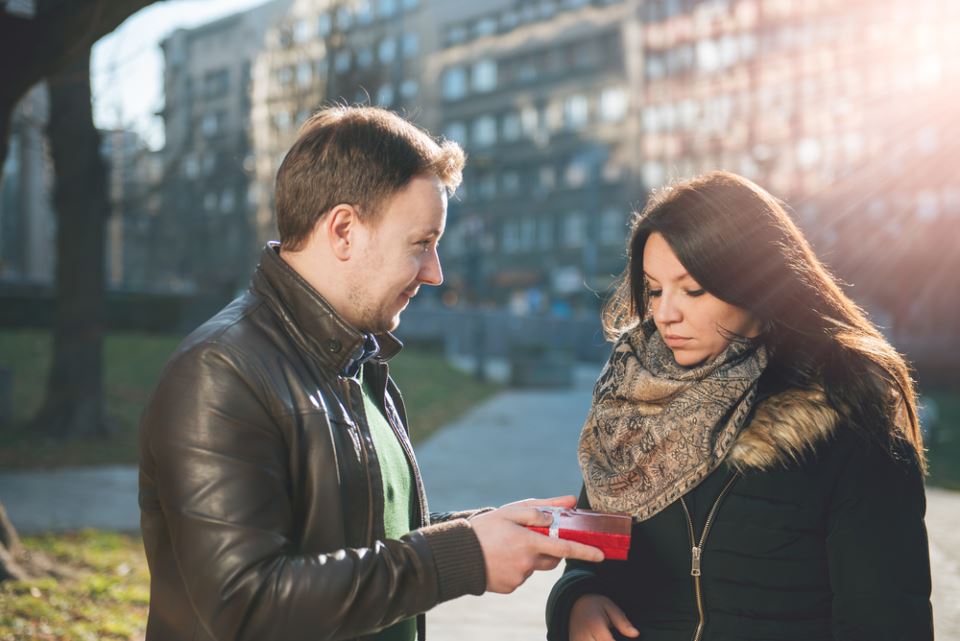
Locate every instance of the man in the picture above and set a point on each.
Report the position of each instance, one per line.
(279, 494)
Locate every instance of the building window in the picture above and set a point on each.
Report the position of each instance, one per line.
(654, 174)
(216, 83)
(324, 25)
(388, 8)
(285, 75)
(281, 120)
(304, 74)
(191, 166)
(344, 18)
(210, 125)
(529, 121)
(209, 163)
(511, 129)
(455, 35)
(387, 50)
(227, 201)
(454, 83)
(484, 27)
(409, 88)
(210, 201)
(385, 95)
(410, 45)
(487, 185)
(341, 61)
(547, 177)
(364, 12)
(574, 229)
(457, 132)
(546, 233)
(575, 111)
(511, 237)
(365, 58)
(484, 76)
(484, 131)
(510, 181)
(613, 104)
(576, 173)
(302, 31)
(613, 228)
(410, 4)
(528, 233)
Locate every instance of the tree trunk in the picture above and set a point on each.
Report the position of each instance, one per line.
(10, 550)
(74, 404)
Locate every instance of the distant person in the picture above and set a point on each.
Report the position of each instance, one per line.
(762, 433)
(279, 494)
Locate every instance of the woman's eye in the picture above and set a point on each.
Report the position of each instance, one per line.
(693, 293)
(655, 293)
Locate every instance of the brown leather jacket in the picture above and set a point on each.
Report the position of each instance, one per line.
(260, 491)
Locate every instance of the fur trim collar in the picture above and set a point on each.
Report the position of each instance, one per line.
(784, 429)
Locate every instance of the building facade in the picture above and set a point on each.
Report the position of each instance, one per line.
(337, 51)
(544, 98)
(207, 158)
(841, 108)
(27, 223)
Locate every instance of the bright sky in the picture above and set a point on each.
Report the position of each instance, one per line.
(127, 64)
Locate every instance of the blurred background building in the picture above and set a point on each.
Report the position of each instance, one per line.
(207, 157)
(571, 111)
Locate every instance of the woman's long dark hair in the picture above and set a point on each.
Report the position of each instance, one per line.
(738, 242)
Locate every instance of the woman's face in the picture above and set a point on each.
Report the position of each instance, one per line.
(693, 322)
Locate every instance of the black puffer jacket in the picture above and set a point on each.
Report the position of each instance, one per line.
(260, 491)
(813, 533)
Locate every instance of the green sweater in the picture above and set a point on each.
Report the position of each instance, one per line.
(398, 495)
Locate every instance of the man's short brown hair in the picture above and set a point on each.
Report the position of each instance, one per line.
(355, 155)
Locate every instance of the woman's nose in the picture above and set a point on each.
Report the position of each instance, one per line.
(665, 310)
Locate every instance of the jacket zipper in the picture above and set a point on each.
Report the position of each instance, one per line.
(696, 552)
(404, 439)
(366, 463)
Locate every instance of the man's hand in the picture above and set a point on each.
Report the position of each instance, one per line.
(512, 552)
(592, 617)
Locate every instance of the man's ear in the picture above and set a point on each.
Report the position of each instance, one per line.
(341, 226)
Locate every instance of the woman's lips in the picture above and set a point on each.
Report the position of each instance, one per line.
(675, 341)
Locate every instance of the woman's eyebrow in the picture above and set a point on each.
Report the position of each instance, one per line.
(676, 278)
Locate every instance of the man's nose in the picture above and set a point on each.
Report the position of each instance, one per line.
(431, 273)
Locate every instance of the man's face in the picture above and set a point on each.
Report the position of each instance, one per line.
(396, 254)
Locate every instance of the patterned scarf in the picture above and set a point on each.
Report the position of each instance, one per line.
(657, 429)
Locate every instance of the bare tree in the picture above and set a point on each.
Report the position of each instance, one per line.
(54, 44)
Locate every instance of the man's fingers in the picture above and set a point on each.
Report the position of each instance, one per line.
(545, 562)
(528, 515)
(562, 548)
(620, 621)
(557, 501)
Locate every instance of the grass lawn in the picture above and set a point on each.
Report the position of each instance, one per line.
(105, 598)
(434, 393)
(944, 449)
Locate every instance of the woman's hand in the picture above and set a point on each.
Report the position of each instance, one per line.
(592, 617)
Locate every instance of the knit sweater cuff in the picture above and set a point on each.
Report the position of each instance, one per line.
(458, 558)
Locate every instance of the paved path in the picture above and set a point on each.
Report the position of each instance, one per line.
(517, 445)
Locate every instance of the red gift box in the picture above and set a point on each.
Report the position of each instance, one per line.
(609, 532)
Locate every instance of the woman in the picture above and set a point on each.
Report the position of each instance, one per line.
(762, 433)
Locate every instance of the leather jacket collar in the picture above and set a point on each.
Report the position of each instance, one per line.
(308, 315)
